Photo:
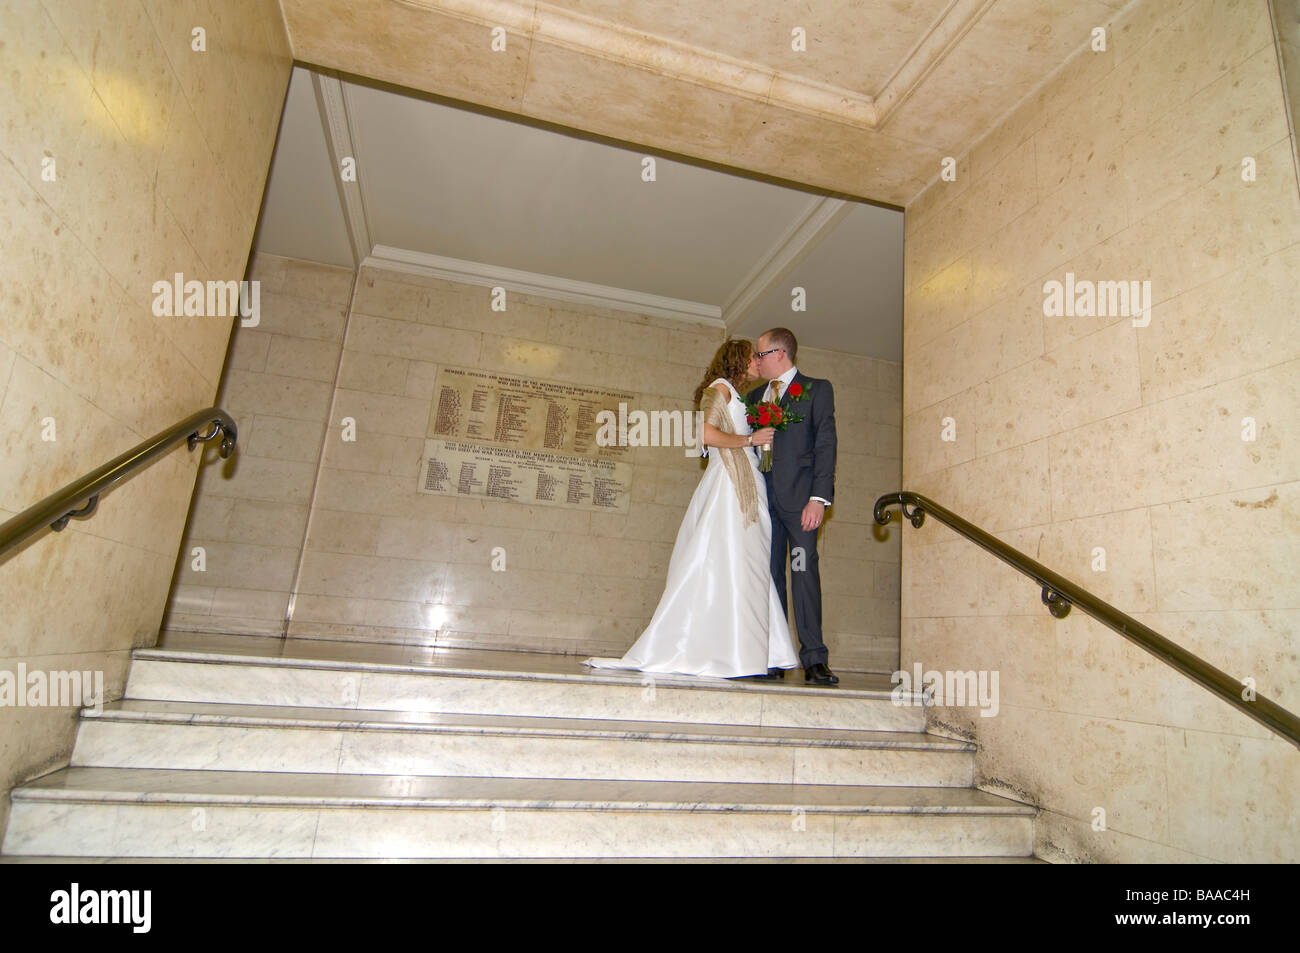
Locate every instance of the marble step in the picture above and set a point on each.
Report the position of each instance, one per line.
(189, 735)
(113, 812)
(238, 670)
(521, 860)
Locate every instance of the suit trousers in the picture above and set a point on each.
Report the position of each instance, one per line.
(805, 582)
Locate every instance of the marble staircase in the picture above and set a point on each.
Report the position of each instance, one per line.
(238, 747)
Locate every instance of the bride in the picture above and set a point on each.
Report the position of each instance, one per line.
(720, 615)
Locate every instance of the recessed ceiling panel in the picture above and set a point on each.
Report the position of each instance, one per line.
(852, 289)
(854, 44)
(447, 181)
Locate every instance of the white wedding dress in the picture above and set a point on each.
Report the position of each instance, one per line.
(719, 615)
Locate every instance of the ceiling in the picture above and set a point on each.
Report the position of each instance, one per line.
(879, 93)
(501, 141)
(480, 198)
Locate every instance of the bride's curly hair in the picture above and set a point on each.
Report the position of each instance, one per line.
(731, 362)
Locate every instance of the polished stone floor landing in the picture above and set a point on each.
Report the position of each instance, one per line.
(233, 747)
(467, 660)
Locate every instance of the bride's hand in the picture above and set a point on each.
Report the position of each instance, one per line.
(762, 438)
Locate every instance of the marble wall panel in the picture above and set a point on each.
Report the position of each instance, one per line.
(250, 513)
(1135, 439)
(385, 563)
(159, 157)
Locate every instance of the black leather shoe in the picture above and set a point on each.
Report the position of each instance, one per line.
(776, 673)
(820, 674)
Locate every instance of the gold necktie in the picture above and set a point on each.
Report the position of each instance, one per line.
(776, 390)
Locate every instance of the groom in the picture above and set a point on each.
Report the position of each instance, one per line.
(800, 486)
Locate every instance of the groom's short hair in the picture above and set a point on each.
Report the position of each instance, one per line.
(784, 339)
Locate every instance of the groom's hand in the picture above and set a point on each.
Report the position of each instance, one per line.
(813, 514)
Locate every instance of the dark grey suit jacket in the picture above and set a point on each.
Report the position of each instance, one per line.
(803, 455)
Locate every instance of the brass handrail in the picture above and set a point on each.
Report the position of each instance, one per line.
(1059, 594)
(79, 499)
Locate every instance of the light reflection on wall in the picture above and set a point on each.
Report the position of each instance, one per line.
(434, 617)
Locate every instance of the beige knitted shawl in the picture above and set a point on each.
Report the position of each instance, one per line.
(735, 459)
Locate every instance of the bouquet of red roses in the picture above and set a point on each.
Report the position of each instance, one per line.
(770, 414)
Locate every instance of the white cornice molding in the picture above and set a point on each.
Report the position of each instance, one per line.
(940, 40)
(547, 286)
(331, 101)
(580, 33)
(577, 32)
(804, 234)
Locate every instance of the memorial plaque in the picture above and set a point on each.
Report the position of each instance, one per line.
(507, 410)
(522, 475)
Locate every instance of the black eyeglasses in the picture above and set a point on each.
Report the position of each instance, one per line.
(769, 351)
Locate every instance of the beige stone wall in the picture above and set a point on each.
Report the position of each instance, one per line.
(385, 563)
(1074, 433)
(278, 383)
(860, 567)
(160, 155)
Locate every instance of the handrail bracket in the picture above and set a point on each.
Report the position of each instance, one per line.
(227, 439)
(85, 513)
(1057, 604)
